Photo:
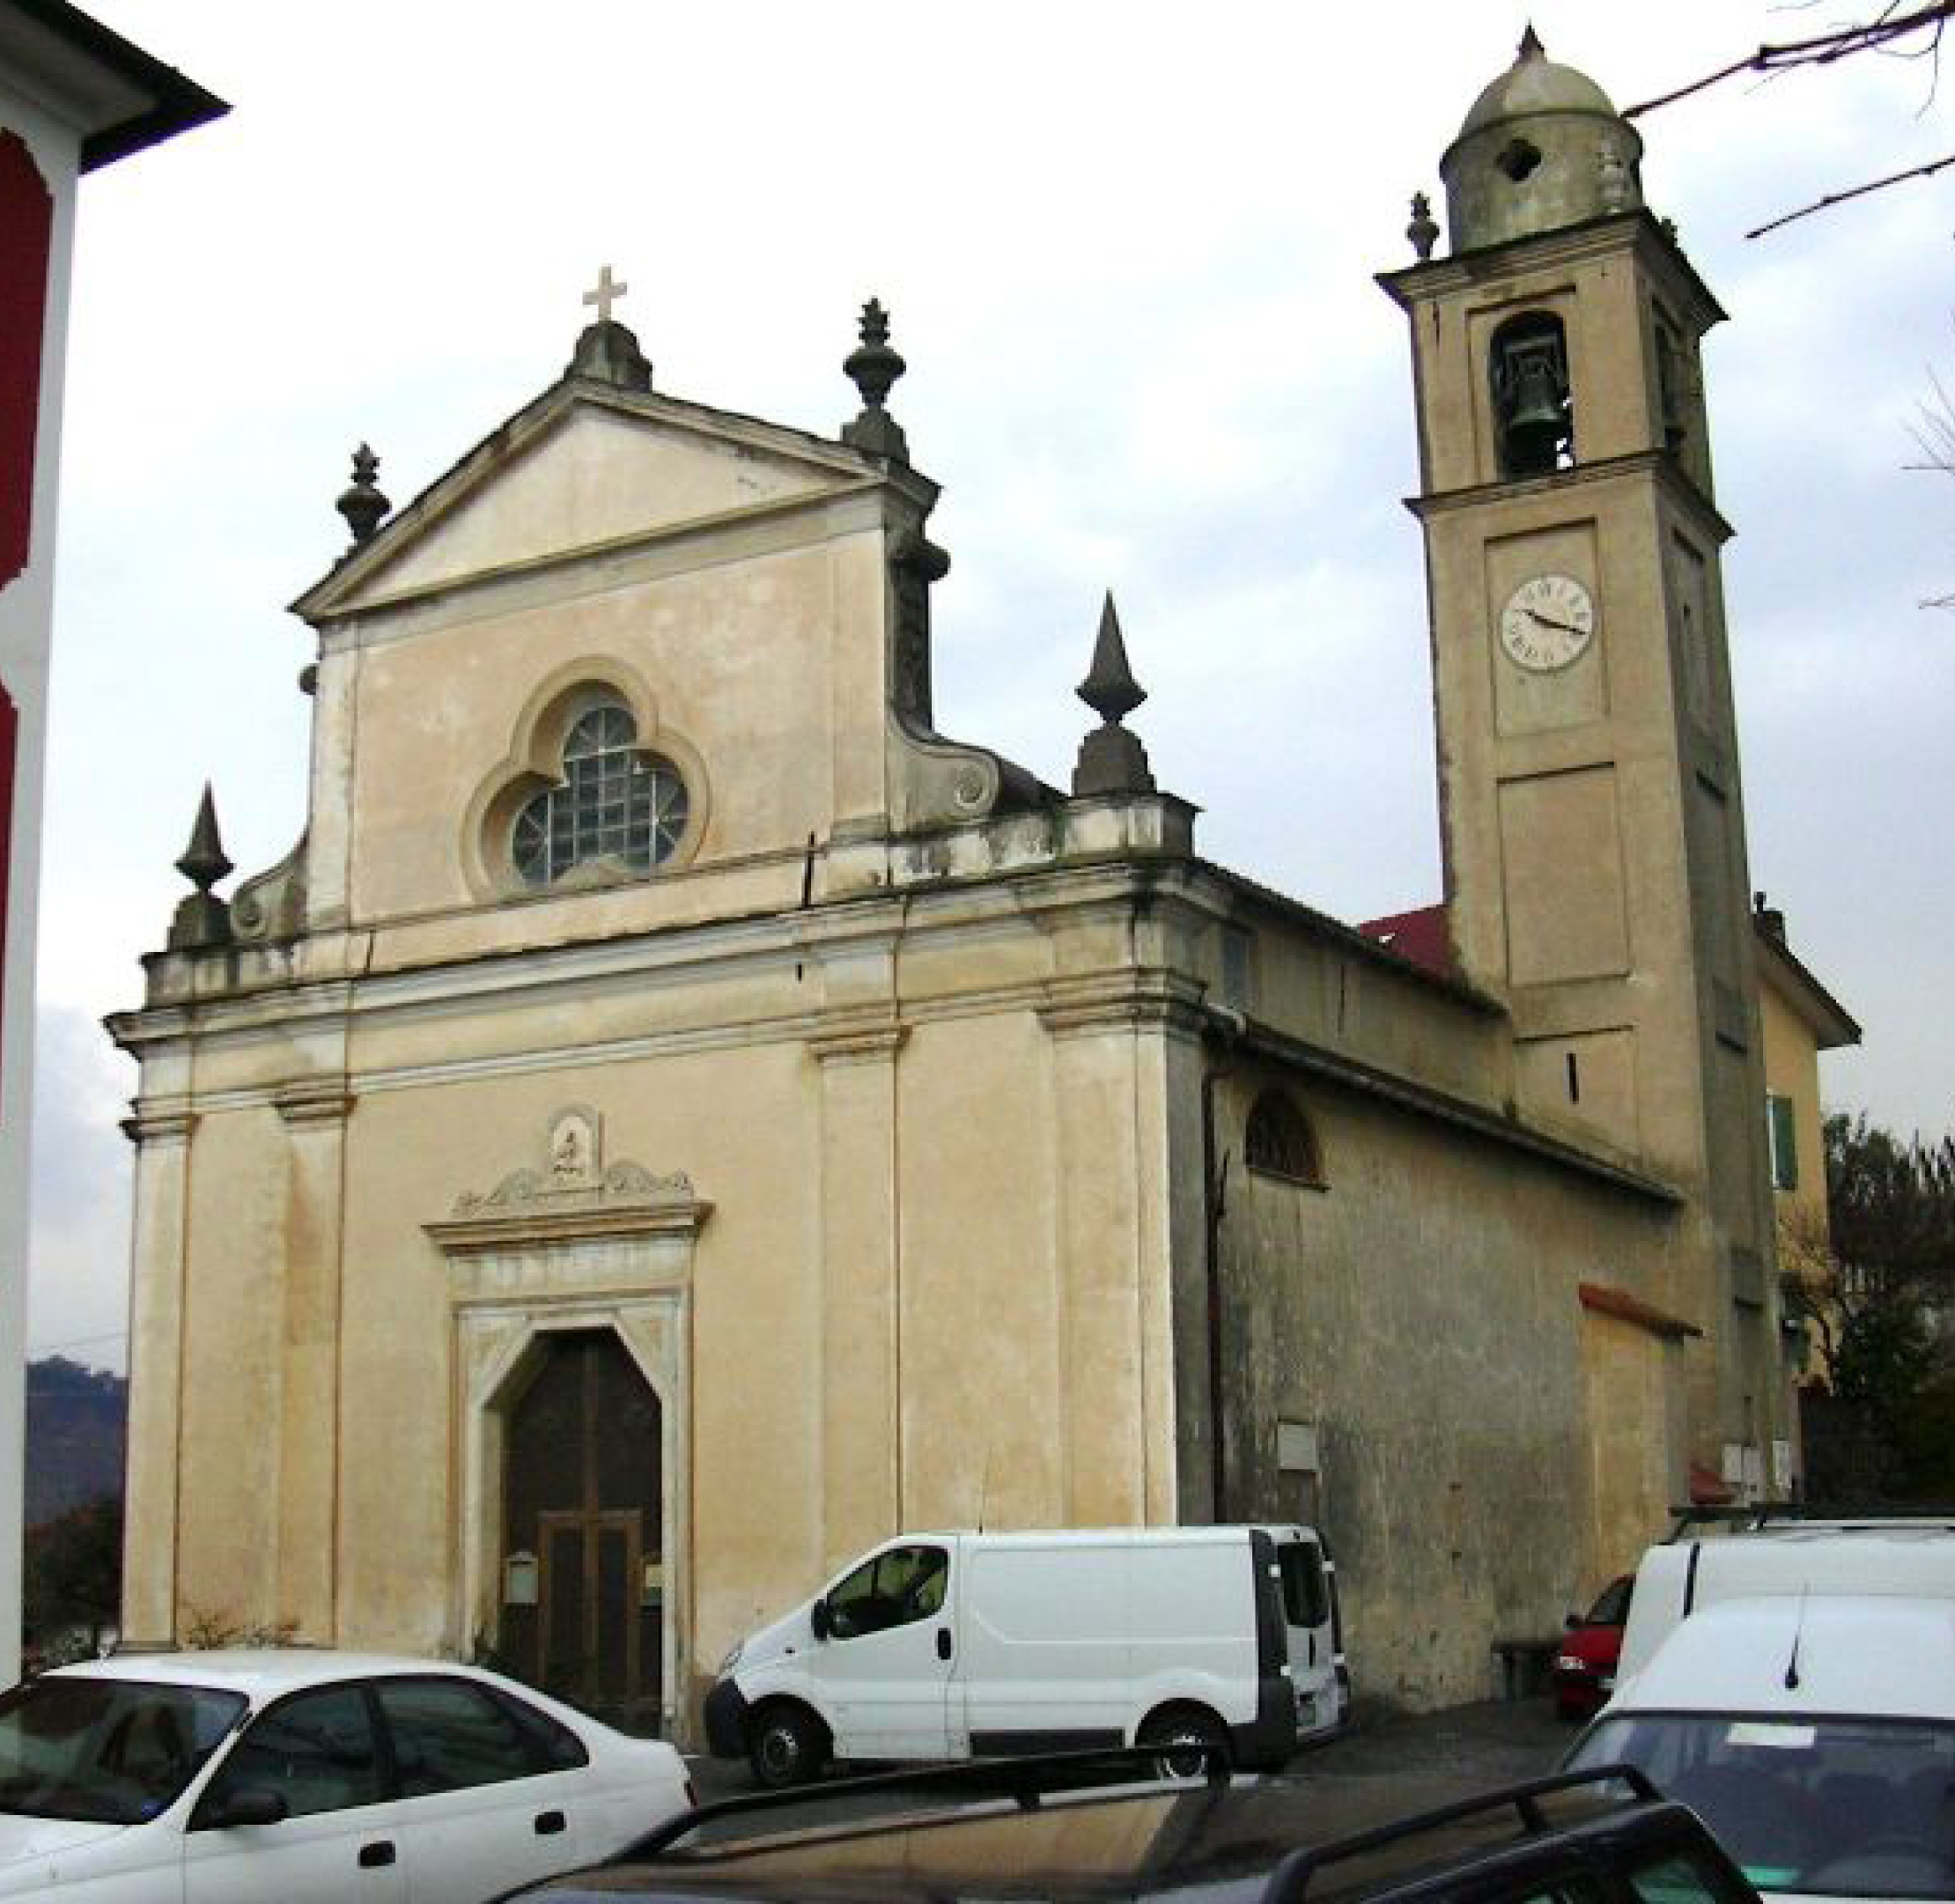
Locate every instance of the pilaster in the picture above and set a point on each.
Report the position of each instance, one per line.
(160, 1248)
(860, 1271)
(1112, 1250)
(315, 1114)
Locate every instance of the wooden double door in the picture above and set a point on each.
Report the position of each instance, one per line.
(583, 1606)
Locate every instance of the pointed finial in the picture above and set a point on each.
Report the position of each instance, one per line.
(1109, 689)
(872, 367)
(1110, 759)
(202, 919)
(1424, 229)
(205, 862)
(363, 505)
(1530, 46)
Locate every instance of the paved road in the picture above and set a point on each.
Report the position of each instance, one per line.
(1498, 1740)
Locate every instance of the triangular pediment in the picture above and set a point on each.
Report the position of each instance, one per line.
(583, 468)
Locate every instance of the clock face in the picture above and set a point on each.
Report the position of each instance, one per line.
(1548, 623)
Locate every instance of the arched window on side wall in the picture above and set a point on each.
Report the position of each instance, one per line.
(1533, 406)
(1279, 1142)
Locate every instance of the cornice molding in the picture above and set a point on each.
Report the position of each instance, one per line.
(1145, 1000)
(575, 1197)
(1656, 463)
(600, 1221)
(874, 1043)
(314, 1101)
(158, 1126)
(1638, 230)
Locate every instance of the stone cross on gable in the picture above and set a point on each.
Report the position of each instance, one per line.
(605, 294)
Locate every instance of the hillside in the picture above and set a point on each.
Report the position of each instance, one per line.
(76, 1418)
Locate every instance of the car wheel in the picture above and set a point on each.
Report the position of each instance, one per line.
(1187, 1742)
(785, 1747)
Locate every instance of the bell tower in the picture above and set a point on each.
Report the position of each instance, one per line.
(1592, 818)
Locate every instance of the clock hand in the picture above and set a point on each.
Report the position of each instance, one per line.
(1550, 621)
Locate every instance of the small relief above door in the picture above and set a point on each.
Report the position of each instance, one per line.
(584, 1583)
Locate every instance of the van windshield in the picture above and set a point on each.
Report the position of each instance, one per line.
(1846, 1807)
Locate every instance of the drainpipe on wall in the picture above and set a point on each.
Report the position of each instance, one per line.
(1224, 1029)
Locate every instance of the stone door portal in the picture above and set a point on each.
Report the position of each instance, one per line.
(581, 1530)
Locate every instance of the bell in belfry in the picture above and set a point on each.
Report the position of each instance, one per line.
(1531, 398)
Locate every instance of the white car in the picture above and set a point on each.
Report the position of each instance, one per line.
(1794, 1686)
(287, 1776)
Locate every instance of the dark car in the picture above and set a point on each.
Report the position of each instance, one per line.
(1585, 1668)
(1016, 1831)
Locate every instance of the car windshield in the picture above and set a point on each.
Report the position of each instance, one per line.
(1612, 1606)
(1847, 1807)
(113, 1751)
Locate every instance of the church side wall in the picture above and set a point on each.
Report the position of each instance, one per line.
(1415, 1321)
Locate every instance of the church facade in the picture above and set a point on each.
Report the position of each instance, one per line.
(676, 1117)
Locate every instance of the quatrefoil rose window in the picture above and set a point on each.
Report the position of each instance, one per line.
(616, 804)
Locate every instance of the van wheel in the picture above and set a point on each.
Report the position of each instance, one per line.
(786, 1746)
(1203, 1745)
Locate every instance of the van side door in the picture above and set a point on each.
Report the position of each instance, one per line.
(1047, 1636)
(885, 1662)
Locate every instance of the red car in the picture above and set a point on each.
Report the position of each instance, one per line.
(1585, 1668)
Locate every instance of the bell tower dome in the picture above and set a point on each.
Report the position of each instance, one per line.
(1542, 147)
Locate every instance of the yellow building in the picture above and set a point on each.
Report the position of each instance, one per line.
(676, 1117)
(1800, 1019)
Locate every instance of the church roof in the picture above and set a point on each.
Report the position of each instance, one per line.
(1361, 938)
(1420, 936)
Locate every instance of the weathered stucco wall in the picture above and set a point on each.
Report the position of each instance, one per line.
(1635, 1385)
(1418, 1310)
(930, 1289)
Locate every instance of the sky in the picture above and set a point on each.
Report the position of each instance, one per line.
(1129, 250)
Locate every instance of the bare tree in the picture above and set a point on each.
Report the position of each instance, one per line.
(1902, 32)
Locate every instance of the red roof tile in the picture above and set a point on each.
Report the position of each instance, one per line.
(1418, 936)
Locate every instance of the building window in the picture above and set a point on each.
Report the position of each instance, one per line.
(1279, 1140)
(615, 803)
(1782, 1141)
(1238, 969)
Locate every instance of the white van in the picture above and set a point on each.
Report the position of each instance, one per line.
(962, 1645)
(1796, 1685)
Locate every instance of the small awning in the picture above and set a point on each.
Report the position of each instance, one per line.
(1624, 1307)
